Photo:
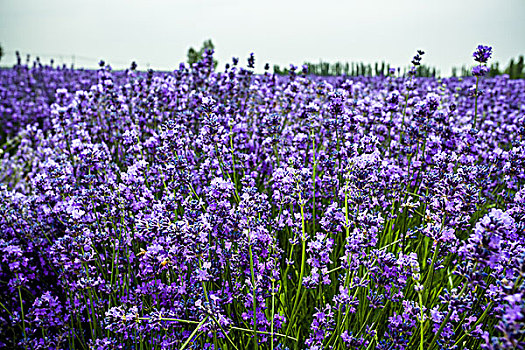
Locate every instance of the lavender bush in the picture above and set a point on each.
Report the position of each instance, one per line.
(229, 210)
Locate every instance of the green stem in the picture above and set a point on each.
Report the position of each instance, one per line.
(273, 312)
(303, 266)
(193, 333)
(23, 318)
(487, 309)
(476, 104)
(449, 314)
(313, 182)
(254, 303)
(421, 321)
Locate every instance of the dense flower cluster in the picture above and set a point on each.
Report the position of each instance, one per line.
(481, 55)
(212, 210)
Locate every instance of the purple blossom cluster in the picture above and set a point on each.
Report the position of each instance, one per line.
(229, 210)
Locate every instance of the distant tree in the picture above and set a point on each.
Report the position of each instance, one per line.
(519, 68)
(277, 70)
(465, 72)
(325, 68)
(338, 69)
(494, 70)
(510, 68)
(1, 52)
(195, 56)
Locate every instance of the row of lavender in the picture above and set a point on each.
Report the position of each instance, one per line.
(231, 210)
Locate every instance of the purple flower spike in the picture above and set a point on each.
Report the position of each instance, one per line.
(482, 54)
(480, 71)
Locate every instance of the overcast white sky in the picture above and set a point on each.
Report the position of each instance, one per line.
(158, 33)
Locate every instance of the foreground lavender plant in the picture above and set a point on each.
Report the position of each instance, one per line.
(230, 210)
(481, 55)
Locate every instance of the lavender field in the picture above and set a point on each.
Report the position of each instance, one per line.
(223, 209)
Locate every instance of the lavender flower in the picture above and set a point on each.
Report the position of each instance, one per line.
(205, 210)
(482, 54)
